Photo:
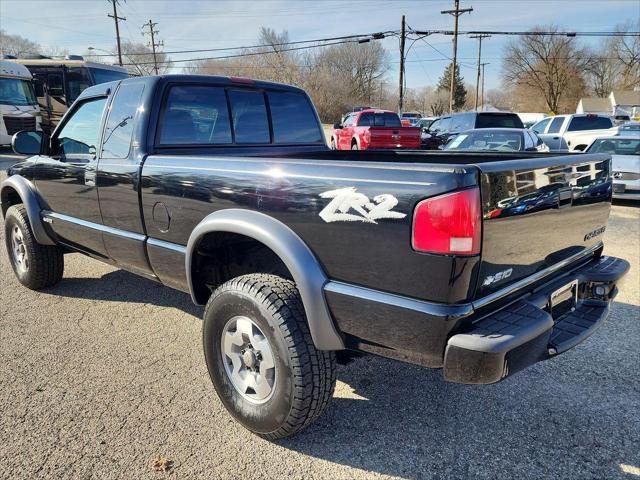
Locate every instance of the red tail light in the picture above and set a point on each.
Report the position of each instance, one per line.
(448, 224)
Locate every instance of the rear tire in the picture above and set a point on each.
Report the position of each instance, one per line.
(36, 266)
(261, 357)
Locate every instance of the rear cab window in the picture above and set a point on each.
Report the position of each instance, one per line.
(379, 119)
(589, 123)
(201, 115)
(498, 120)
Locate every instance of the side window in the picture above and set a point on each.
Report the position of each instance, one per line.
(122, 114)
(541, 125)
(293, 119)
(249, 115)
(365, 119)
(195, 115)
(556, 124)
(445, 125)
(54, 84)
(79, 137)
(436, 125)
(462, 122)
(77, 81)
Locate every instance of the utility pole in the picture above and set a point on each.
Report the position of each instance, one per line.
(152, 32)
(482, 91)
(479, 37)
(456, 12)
(401, 91)
(116, 18)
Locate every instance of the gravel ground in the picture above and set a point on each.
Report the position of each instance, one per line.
(104, 374)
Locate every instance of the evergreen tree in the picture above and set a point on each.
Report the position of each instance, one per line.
(460, 93)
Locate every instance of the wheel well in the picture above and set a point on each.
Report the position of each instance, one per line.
(221, 256)
(8, 198)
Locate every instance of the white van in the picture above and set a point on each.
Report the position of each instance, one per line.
(18, 103)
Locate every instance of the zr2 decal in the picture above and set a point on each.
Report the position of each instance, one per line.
(347, 200)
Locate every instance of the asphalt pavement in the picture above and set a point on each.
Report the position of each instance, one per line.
(103, 375)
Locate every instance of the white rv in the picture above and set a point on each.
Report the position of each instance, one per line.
(18, 103)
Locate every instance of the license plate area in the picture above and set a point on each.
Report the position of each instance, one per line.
(563, 300)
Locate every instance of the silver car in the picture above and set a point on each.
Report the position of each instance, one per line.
(625, 155)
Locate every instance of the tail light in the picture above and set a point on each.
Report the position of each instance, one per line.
(448, 224)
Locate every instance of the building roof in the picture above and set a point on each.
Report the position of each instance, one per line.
(626, 97)
(594, 104)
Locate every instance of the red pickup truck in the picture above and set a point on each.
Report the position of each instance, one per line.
(371, 129)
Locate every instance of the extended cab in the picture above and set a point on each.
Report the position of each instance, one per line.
(573, 132)
(373, 129)
(225, 189)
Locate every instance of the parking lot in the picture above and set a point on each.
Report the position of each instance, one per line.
(104, 374)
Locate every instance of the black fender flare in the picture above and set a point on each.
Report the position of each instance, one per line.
(27, 193)
(296, 255)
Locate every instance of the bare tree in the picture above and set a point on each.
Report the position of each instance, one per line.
(141, 65)
(16, 45)
(549, 65)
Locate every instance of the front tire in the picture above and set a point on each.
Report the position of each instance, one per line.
(36, 266)
(261, 357)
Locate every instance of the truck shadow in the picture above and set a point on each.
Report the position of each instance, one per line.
(122, 286)
(571, 417)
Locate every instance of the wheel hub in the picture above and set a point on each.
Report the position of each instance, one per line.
(19, 250)
(248, 359)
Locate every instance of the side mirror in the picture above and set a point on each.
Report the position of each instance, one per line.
(30, 143)
(337, 126)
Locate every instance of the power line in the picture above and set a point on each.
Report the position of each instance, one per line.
(375, 36)
(529, 32)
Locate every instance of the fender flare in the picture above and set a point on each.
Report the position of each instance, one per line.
(29, 197)
(291, 249)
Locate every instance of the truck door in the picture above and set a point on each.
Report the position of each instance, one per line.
(66, 178)
(553, 138)
(117, 181)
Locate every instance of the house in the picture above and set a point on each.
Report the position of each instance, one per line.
(594, 105)
(619, 102)
(625, 102)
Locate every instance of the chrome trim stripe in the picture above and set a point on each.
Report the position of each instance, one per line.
(53, 216)
(531, 279)
(436, 309)
(151, 166)
(154, 242)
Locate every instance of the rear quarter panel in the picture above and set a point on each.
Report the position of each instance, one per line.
(299, 193)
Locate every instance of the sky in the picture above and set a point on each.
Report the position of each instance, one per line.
(75, 25)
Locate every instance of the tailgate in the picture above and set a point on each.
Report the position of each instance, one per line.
(394, 137)
(538, 212)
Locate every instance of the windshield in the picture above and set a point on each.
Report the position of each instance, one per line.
(616, 146)
(103, 75)
(494, 141)
(14, 91)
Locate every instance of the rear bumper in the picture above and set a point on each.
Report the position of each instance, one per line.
(525, 332)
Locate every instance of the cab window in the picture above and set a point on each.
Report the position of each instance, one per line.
(122, 114)
(556, 125)
(195, 115)
(79, 137)
(293, 118)
(541, 125)
(249, 116)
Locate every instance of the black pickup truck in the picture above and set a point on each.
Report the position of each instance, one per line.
(477, 263)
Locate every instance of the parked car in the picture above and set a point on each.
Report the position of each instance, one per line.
(497, 140)
(59, 81)
(410, 119)
(625, 163)
(424, 123)
(225, 189)
(629, 128)
(441, 130)
(18, 104)
(370, 129)
(572, 132)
